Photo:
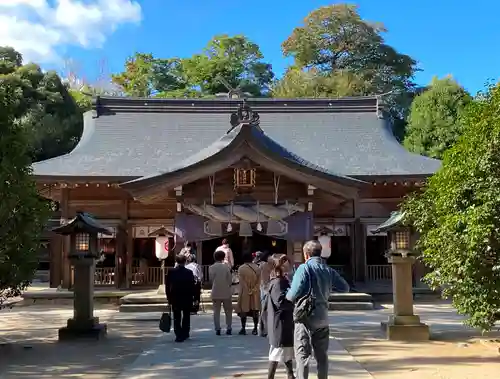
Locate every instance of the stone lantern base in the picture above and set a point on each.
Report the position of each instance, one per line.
(405, 328)
(76, 329)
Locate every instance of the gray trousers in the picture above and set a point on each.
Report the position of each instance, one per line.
(308, 342)
(227, 304)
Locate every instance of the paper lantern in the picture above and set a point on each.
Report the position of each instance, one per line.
(161, 247)
(326, 245)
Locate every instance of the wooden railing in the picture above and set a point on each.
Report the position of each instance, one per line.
(379, 272)
(104, 276)
(150, 276)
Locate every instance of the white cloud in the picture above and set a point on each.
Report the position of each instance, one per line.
(39, 29)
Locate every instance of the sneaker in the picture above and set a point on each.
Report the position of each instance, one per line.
(255, 332)
(229, 332)
(217, 332)
(242, 332)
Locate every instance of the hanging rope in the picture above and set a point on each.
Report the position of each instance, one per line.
(211, 179)
(276, 181)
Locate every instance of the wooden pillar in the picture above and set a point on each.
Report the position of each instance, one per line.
(130, 255)
(359, 243)
(65, 267)
(121, 248)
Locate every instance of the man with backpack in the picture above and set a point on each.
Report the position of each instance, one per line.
(311, 287)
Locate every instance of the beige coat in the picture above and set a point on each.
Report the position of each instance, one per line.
(221, 279)
(249, 289)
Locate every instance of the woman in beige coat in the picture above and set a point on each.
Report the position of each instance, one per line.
(249, 294)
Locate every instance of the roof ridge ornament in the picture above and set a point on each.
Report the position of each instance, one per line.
(244, 116)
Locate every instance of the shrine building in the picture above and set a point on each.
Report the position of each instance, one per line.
(267, 174)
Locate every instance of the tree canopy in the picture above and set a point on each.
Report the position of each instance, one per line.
(44, 106)
(434, 122)
(235, 59)
(22, 213)
(458, 216)
(340, 54)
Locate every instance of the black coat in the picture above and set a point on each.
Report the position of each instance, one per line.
(180, 287)
(279, 310)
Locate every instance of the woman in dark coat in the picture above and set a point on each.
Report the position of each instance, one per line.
(279, 323)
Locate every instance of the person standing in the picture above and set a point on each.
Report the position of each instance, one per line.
(265, 263)
(314, 334)
(193, 265)
(279, 318)
(179, 288)
(248, 294)
(221, 279)
(229, 258)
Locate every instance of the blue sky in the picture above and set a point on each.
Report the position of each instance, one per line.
(444, 37)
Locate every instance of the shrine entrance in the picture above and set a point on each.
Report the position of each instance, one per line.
(239, 245)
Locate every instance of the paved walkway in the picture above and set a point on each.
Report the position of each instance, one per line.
(222, 357)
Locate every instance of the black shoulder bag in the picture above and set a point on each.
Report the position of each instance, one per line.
(305, 305)
(166, 321)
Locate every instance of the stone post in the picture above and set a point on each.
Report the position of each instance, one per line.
(403, 325)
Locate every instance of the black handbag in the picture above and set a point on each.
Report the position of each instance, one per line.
(304, 307)
(166, 322)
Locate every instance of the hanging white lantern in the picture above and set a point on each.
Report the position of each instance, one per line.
(161, 247)
(229, 228)
(326, 244)
(259, 227)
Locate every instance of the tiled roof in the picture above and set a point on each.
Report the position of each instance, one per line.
(144, 137)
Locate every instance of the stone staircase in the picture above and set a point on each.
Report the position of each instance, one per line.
(152, 301)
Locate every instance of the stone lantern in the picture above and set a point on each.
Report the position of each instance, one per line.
(403, 325)
(83, 231)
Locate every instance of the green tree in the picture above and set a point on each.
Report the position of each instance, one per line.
(311, 83)
(22, 213)
(233, 58)
(340, 46)
(434, 123)
(137, 80)
(45, 108)
(457, 216)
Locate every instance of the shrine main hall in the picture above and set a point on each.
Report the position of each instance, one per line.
(267, 174)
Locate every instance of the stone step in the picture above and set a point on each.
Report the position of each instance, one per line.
(152, 297)
(163, 307)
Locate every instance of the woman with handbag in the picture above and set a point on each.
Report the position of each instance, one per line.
(279, 320)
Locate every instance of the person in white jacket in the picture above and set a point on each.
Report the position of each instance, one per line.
(229, 259)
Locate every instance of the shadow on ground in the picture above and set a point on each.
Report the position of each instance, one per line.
(30, 348)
